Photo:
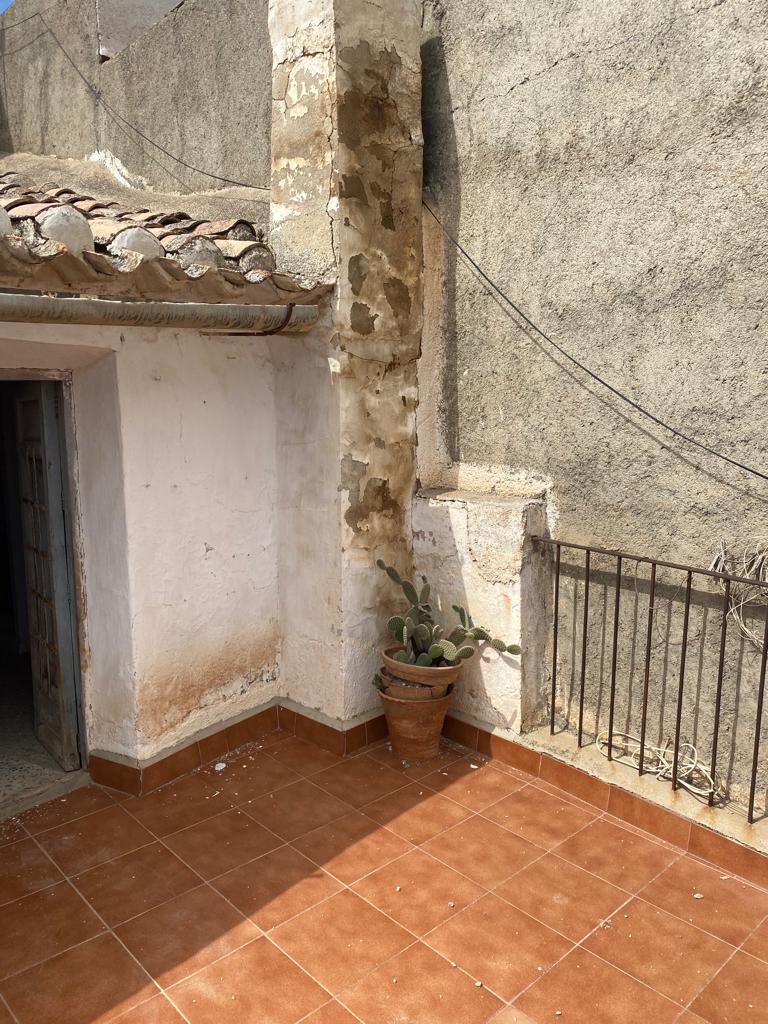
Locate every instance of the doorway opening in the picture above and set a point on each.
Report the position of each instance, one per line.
(39, 733)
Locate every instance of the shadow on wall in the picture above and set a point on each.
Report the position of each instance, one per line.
(594, 659)
(442, 182)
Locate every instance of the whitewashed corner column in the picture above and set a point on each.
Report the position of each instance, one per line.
(346, 207)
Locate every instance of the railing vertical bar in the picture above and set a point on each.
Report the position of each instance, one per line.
(614, 657)
(758, 724)
(584, 645)
(679, 718)
(646, 677)
(719, 692)
(554, 641)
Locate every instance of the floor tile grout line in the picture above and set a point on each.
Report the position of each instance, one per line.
(733, 874)
(204, 882)
(4, 1003)
(332, 1002)
(360, 809)
(111, 932)
(589, 952)
(348, 887)
(736, 951)
(417, 938)
(345, 887)
(491, 762)
(243, 809)
(78, 817)
(66, 949)
(145, 1002)
(262, 934)
(493, 891)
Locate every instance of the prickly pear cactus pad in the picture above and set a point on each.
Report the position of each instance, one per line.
(423, 640)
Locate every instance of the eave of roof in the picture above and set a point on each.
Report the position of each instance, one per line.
(61, 239)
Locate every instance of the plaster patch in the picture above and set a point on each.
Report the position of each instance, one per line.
(117, 169)
(361, 320)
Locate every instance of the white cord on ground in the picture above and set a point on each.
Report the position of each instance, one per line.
(691, 773)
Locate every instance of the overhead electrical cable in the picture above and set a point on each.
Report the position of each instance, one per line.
(117, 116)
(585, 369)
(489, 282)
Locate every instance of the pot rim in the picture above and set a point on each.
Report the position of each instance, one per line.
(416, 703)
(438, 670)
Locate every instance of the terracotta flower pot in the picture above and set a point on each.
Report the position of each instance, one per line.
(415, 704)
(415, 726)
(425, 674)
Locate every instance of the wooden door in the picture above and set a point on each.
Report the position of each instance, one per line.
(49, 593)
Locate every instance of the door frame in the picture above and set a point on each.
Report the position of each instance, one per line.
(72, 527)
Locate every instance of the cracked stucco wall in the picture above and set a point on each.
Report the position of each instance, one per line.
(602, 163)
(346, 207)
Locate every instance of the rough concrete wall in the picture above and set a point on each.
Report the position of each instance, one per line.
(600, 162)
(46, 107)
(197, 84)
(198, 437)
(120, 22)
(346, 191)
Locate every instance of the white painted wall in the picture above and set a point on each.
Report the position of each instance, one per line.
(199, 457)
(307, 416)
(471, 547)
(210, 510)
(107, 661)
(177, 488)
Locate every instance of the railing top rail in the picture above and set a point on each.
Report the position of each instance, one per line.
(615, 553)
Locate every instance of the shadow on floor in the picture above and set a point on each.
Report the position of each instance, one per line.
(283, 884)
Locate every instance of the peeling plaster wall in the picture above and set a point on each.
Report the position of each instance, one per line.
(201, 488)
(346, 206)
(202, 467)
(472, 548)
(602, 163)
(197, 83)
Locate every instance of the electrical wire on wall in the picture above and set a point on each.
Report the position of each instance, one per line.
(495, 289)
(490, 285)
(121, 121)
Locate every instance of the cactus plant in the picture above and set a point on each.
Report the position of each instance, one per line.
(423, 640)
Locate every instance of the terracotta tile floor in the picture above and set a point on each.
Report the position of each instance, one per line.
(285, 885)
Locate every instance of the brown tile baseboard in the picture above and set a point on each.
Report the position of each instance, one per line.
(673, 828)
(141, 779)
(696, 839)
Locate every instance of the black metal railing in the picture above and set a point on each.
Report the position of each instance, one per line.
(614, 582)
